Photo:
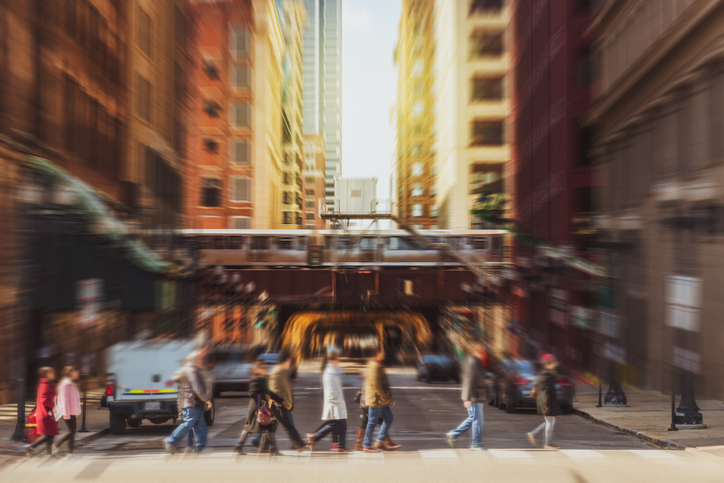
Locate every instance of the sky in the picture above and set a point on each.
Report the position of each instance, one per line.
(369, 89)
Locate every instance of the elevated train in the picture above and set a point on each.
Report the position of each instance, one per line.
(334, 248)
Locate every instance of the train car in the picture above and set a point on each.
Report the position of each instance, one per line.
(334, 248)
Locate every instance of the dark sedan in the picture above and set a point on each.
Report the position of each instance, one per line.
(437, 366)
(514, 382)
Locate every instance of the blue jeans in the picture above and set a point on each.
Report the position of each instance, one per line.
(474, 419)
(193, 421)
(374, 414)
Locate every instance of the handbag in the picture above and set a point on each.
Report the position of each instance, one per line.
(263, 414)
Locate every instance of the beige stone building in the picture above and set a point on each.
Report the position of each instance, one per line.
(659, 121)
(472, 58)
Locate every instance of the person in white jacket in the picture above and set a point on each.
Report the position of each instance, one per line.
(335, 409)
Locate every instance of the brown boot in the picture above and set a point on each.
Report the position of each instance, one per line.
(390, 445)
(381, 445)
(360, 439)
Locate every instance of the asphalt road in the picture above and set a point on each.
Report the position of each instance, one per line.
(423, 414)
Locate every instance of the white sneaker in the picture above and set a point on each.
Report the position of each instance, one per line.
(531, 438)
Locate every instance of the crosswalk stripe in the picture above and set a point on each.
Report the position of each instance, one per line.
(432, 454)
(581, 453)
(653, 454)
(501, 453)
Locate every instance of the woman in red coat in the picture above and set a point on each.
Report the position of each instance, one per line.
(47, 426)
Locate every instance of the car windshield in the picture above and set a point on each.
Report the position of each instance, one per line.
(524, 368)
(437, 359)
(230, 357)
(269, 357)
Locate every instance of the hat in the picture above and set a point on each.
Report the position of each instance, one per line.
(548, 358)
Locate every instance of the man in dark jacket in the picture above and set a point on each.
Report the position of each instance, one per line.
(193, 399)
(378, 398)
(547, 400)
(280, 382)
(472, 399)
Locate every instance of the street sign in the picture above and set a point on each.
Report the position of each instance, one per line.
(614, 352)
(89, 299)
(683, 302)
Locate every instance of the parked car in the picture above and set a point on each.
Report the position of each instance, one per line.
(437, 366)
(515, 381)
(272, 358)
(230, 369)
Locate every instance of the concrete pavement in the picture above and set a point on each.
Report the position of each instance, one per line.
(648, 417)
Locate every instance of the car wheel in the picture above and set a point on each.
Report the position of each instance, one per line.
(210, 414)
(502, 403)
(510, 406)
(496, 402)
(134, 422)
(118, 423)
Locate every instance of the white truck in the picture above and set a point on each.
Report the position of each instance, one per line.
(140, 382)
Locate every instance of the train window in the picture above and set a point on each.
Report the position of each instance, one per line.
(301, 243)
(259, 243)
(344, 243)
(404, 243)
(432, 239)
(480, 243)
(368, 243)
(235, 242)
(328, 243)
(285, 243)
(497, 241)
(217, 243)
(202, 243)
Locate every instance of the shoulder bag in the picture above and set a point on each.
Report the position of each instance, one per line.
(263, 414)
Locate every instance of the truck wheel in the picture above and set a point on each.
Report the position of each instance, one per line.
(210, 414)
(118, 423)
(134, 422)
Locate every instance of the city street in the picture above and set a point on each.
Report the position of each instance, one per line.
(423, 413)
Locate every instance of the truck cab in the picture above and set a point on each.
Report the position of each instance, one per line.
(141, 385)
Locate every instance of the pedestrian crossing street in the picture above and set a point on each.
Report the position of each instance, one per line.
(9, 412)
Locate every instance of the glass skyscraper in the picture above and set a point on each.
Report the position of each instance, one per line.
(322, 77)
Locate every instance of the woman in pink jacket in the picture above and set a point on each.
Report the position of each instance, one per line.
(69, 400)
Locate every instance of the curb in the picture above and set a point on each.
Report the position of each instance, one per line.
(645, 437)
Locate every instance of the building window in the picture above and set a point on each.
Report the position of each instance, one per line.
(287, 198)
(309, 204)
(416, 149)
(145, 31)
(211, 192)
(212, 108)
(486, 44)
(485, 6)
(310, 192)
(418, 108)
(240, 152)
(240, 222)
(329, 194)
(417, 189)
(288, 218)
(487, 88)
(434, 211)
(309, 216)
(144, 98)
(240, 189)
(241, 113)
(417, 169)
(239, 76)
(287, 177)
(239, 41)
(211, 70)
(211, 145)
(417, 211)
(487, 133)
(310, 179)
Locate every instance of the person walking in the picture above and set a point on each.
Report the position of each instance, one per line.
(546, 400)
(69, 401)
(472, 399)
(195, 399)
(364, 420)
(322, 367)
(378, 398)
(44, 418)
(334, 412)
(260, 397)
(280, 382)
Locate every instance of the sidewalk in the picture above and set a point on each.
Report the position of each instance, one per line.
(649, 417)
(96, 423)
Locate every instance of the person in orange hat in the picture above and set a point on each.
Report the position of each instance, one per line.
(546, 400)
